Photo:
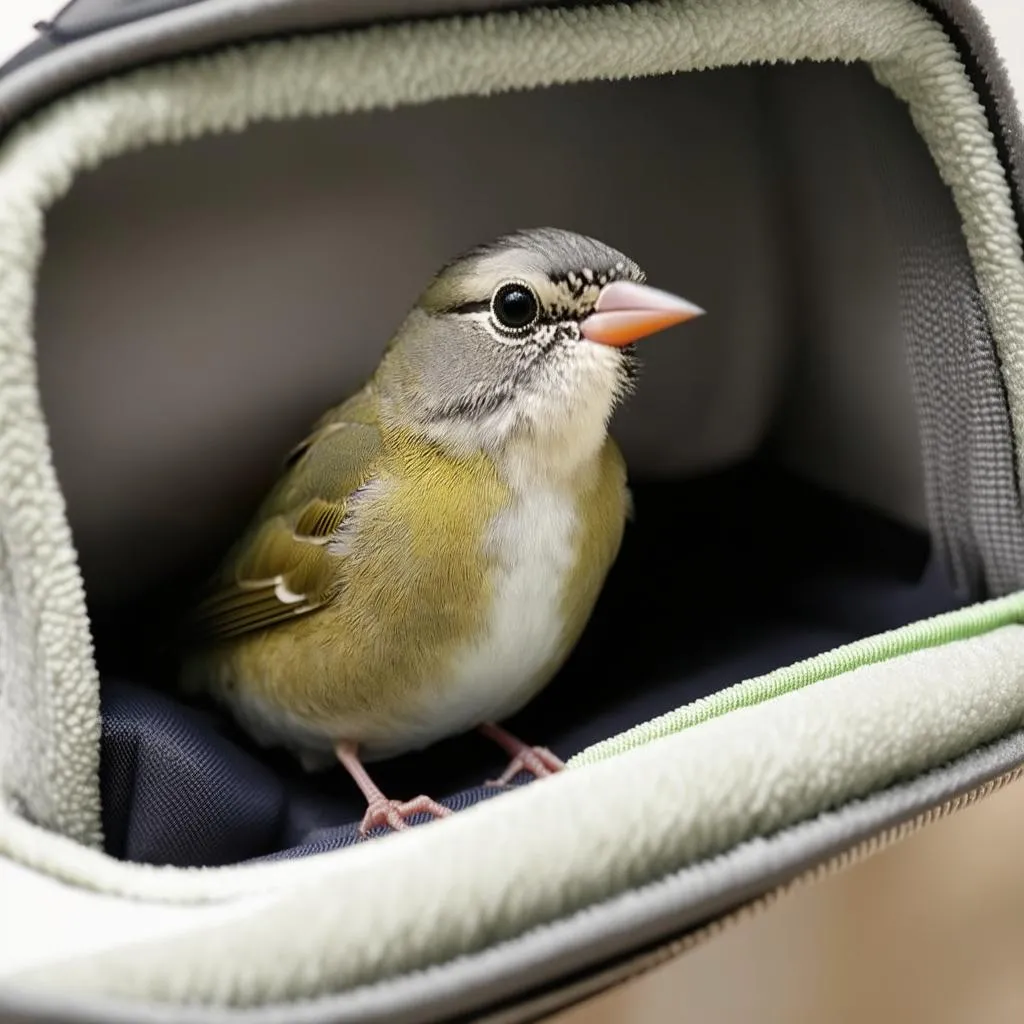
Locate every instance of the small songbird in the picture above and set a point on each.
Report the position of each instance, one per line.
(434, 549)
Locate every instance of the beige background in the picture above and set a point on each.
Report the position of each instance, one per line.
(930, 930)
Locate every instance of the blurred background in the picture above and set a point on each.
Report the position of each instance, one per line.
(931, 929)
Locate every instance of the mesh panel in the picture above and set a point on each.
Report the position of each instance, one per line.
(875, 221)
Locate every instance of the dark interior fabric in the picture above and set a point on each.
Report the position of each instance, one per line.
(720, 578)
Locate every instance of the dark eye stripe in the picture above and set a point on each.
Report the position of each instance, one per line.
(553, 316)
(470, 307)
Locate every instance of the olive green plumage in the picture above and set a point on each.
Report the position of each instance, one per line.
(434, 548)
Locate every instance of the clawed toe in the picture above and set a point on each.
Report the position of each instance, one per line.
(395, 813)
(538, 761)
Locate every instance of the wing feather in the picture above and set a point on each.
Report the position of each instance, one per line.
(284, 565)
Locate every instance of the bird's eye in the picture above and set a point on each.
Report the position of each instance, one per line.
(515, 306)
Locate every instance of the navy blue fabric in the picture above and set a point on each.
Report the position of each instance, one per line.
(719, 579)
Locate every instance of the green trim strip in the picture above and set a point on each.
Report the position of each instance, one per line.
(962, 624)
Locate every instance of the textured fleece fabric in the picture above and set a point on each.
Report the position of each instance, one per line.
(544, 957)
(507, 865)
(50, 723)
(536, 854)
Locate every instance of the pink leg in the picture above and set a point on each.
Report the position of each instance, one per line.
(380, 810)
(539, 761)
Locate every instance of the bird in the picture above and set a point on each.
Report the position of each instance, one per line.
(433, 549)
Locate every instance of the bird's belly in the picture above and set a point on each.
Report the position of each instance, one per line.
(531, 549)
(493, 674)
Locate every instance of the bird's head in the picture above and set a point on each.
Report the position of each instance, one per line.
(532, 334)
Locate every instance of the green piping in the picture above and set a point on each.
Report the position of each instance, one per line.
(962, 624)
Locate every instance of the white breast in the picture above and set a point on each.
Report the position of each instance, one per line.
(533, 543)
(533, 546)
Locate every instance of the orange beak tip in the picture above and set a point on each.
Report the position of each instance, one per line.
(625, 312)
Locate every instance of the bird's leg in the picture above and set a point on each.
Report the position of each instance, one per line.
(538, 761)
(380, 810)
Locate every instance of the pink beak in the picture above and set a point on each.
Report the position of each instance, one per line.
(626, 312)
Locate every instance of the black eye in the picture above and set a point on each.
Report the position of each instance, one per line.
(514, 306)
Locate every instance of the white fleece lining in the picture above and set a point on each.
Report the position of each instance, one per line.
(502, 866)
(496, 869)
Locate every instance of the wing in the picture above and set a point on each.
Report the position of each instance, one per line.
(283, 566)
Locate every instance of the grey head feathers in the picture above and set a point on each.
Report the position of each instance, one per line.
(467, 374)
(560, 257)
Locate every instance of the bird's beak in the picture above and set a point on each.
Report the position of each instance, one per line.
(626, 312)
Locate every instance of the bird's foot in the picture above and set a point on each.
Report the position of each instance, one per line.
(379, 809)
(394, 813)
(538, 761)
